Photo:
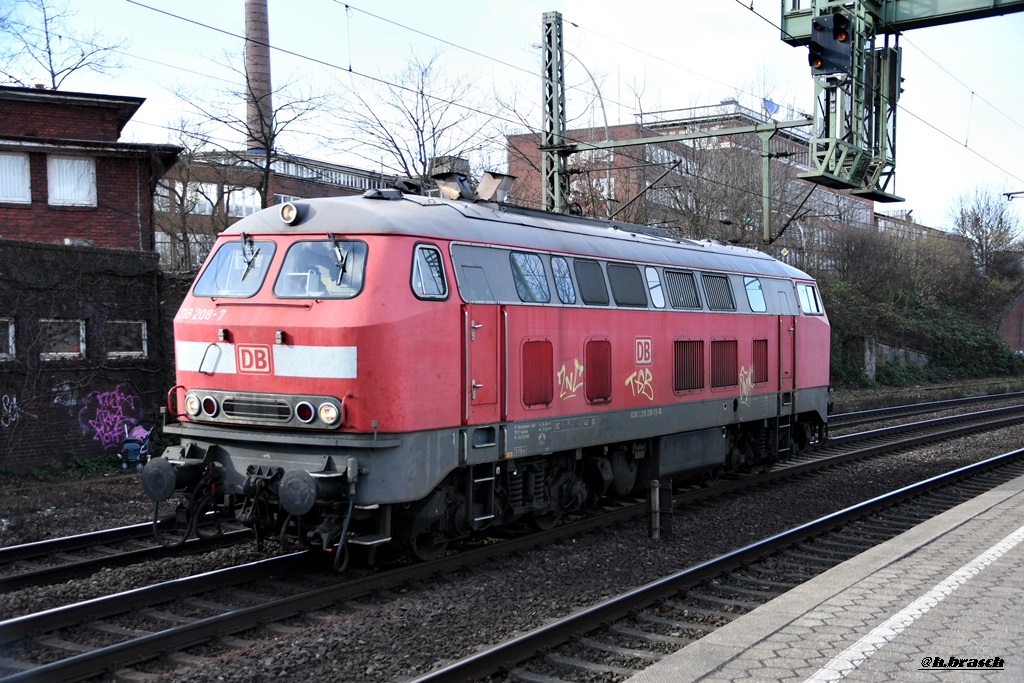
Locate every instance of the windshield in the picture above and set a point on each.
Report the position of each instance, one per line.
(322, 269)
(237, 269)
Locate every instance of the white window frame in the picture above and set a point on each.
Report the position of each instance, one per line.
(142, 352)
(162, 196)
(63, 355)
(15, 179)
(7, 340)
(201, 198)
(60, 193)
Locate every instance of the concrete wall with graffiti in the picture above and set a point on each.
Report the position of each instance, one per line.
(85, 350)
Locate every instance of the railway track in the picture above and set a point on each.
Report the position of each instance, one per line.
(79, 641)
(629, 632)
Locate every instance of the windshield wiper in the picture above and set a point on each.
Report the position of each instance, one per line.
(250, 256)
(340, 257)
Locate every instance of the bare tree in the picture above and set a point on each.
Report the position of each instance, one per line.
(984, 217)
(225, 137)
(37, 43)
(415, 121)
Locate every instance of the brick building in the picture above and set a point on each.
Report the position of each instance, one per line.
(65, 177)
(83, 343)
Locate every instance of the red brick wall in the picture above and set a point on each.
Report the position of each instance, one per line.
(122, 216)
(59, 120)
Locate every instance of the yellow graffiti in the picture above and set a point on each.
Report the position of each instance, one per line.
(641, 382)
(570, 382)
(746, 384)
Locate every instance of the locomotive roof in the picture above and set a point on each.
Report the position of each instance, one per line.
(390, 212)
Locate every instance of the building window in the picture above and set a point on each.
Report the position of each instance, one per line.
(15, 185)
(162, 197)
(242, 201)
(71, 181)
(285, 198)
(62, 339)
(127, 339)
(200, 198)
(6, 338)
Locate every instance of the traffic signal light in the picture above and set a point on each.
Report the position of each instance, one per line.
(830, 50)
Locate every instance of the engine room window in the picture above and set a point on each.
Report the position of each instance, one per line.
(538, 373)
(530, 278)
(71, 180)
(724, 364)
(322, 269)
(682, 289)
(688, 365)
(598, 371)
(236, 269)
(428, 280)
(719, 293)
(591, 281)
(61, 339)
(627, 285)
(15, 185)
(563, 280)
(755, 296)
(654, 287)
(810, 304)
(759, 360)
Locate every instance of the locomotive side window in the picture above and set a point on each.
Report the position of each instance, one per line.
(531, 280)
(237, 269)
(719, 293)
(598, 369)
(810, 304)
(682, 289)
(563, 280)
(591, 281)
(324, 269)
(755, 295)
(538, 373)
(428, 280)
(654, 286)
(627, 285)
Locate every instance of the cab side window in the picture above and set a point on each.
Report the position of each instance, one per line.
(428, 280)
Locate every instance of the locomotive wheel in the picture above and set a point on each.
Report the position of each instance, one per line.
(426, 548)
(545, 522)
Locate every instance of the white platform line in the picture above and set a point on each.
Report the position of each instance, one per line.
(853, 656)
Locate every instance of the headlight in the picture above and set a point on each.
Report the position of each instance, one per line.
(192, 405)
(328, 413)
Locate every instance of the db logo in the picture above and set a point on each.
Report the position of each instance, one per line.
(644, 350)
(253, 358)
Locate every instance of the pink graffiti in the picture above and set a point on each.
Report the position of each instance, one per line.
(106, 413)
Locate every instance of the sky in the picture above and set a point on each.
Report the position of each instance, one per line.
(960, 125)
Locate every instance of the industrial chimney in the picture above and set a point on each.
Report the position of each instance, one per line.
(259, 107)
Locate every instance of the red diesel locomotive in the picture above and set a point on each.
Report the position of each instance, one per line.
(403, 370)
